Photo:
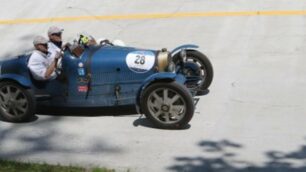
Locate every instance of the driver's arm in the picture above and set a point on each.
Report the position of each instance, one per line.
(52, 67)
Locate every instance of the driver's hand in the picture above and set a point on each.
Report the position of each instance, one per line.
(66, 45)
(58, 55)
(105, 42)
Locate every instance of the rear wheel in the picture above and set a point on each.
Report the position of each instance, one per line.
(17, 104)
(167, 105)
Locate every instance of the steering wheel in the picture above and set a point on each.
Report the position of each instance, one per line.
(106, 42)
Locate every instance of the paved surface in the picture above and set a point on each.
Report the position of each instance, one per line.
(252, 119)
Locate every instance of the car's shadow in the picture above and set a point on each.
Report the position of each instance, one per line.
(94, 112)
(80, 112)
(87, 112)
(144, 122)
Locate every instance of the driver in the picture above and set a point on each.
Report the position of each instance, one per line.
(55, 42)
(41, 64)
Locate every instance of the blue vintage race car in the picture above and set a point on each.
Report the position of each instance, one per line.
(160, 83)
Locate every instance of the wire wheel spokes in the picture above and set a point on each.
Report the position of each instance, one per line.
(166, 105)
(13, 101)
(201, 72)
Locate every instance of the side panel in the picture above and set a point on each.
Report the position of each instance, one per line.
(112, 81)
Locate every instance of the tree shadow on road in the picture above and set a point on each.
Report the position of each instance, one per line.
(219, 157)
(40, 138)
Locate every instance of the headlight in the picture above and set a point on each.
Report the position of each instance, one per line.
(163, 60)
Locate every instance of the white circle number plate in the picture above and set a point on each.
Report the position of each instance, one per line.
(140, 61)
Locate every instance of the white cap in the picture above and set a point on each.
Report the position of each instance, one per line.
(40, 40)
(54, 29)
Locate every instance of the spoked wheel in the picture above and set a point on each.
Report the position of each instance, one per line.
(197, 64)
(16, 103)
(168, 105)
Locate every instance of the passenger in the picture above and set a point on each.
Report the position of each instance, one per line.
(42, 65)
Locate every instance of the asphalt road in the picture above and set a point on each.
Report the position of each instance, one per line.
(252, 119)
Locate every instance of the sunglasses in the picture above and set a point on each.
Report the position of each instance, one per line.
(56, 34)
(45, 45)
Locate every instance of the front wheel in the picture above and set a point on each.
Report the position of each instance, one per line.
(17, 104)
(167, 105)
(197, 64)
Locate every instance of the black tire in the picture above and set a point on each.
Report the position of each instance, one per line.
(206, 67)
(165, 114)
(17, 104)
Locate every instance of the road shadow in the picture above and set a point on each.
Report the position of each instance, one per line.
(32, 119)
(203, 92)
(225, 160)
(93, 112)
(80, 112)
(41, 137)
(87, 112)
(144, 122)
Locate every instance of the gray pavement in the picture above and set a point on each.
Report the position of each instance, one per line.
(252, 119)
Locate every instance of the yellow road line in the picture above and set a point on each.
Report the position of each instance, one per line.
(151, 16)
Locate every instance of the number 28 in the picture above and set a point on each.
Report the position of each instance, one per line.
(140, 59)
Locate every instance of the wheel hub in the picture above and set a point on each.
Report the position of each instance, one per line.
(11, 103)
(165, 108)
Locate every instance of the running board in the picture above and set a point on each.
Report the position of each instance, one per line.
(42, 97)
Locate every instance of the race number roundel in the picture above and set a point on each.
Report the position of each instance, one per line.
(140, 61)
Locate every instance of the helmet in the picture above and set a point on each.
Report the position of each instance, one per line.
(83, 39)
(86, 40)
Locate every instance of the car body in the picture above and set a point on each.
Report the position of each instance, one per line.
(101, 76)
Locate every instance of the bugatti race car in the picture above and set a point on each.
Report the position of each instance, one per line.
(161, 84)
